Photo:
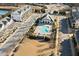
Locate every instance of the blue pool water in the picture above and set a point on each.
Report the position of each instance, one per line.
(3, 12)
(44, 29)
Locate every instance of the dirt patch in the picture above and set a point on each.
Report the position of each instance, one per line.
(31, 48)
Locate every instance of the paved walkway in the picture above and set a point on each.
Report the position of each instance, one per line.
(66, 48)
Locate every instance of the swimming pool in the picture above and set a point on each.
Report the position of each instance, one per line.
(3, 12)
(44, 29)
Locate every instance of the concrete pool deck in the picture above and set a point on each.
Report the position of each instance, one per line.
(43, 30)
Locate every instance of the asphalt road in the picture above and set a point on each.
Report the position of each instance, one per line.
(65, 45)
(77, 35)
(64, 26)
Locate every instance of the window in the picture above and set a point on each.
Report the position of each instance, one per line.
(24, 9)
(0, 25)
(8, 19)
(4, 22)
(9, 16)
(62, 13)
(19, 12)
(27, 6)
(55, 12)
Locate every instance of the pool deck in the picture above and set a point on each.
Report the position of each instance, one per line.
(38, 30)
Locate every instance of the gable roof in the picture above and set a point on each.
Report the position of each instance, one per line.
(47, 17)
